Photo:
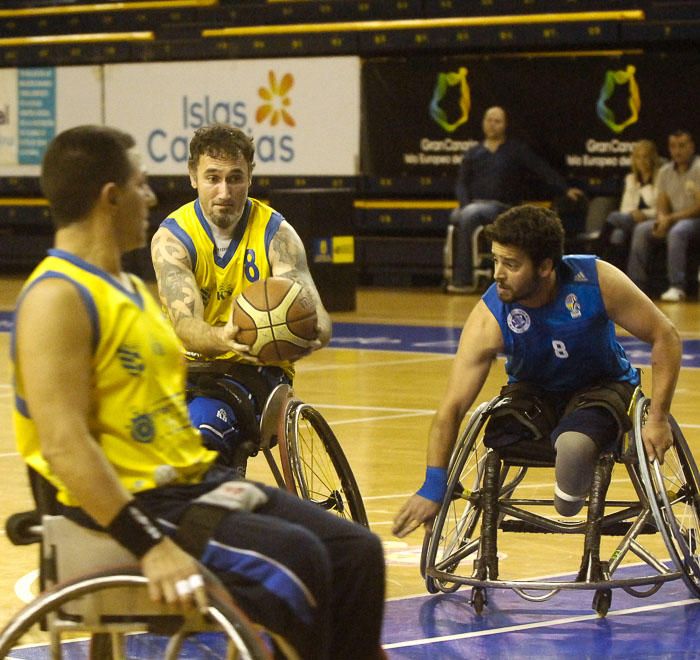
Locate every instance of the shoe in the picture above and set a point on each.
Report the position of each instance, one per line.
(673, 294)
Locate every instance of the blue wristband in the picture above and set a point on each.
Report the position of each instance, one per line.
(435, 485)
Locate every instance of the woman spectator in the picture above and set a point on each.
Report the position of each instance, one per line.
(638, 204)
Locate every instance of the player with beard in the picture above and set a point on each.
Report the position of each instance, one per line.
(205, 254)
(553, 317)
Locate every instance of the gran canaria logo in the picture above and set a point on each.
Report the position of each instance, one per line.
(445, 81)
(276, 101)
(612, 80)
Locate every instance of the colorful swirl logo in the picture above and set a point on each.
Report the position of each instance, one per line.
(444, 82)
(276, 100)
(612, 80)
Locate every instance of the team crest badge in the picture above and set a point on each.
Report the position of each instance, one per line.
(518, 320)
(573, 305)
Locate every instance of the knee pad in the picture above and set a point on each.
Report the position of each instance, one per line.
(575, 462)
(215, 421)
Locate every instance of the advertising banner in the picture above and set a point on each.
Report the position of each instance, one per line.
(38, 102)
(583, 114)
(304, 114)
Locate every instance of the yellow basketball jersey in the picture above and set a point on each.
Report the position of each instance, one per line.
(138, 412)
(222, 278)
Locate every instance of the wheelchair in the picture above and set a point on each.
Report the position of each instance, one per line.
(482, 500)
(312, 463)
(91, 585)
(482, 262)
(99, 591)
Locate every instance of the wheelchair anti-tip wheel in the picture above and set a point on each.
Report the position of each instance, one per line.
(456, 529)
(315, 466)
(673, 490)
(223, 632)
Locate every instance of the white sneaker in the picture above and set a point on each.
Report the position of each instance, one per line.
(673, 294)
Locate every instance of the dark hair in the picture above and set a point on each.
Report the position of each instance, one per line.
(77, 165)
(221, 141)
(535, 230)
(681, 132)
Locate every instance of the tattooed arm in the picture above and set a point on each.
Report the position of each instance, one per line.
(180, 295)
(288, 259)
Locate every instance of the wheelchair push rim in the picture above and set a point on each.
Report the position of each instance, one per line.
(315, 465)
(238, 631)
(674, 498)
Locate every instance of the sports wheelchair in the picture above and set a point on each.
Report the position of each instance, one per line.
(98, 589)
(481, 501)
(312, 463)
(91, 585)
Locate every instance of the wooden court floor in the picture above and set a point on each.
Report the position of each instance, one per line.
(380, 403)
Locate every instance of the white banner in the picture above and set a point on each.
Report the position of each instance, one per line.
(304, 114)
(39, 102)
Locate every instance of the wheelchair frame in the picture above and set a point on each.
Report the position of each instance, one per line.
(481, 274)
(480, 501)
(112, 605)
(312, 463)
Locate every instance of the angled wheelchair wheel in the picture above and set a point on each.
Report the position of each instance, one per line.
(54, 621)
(456, 529)
(315, 466)
(673, 491)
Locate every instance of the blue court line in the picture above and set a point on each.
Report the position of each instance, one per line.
(436, 339)
(6, 321)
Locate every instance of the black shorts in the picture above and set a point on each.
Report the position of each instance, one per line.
(562, 412)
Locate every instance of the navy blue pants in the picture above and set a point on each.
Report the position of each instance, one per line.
(313, 578)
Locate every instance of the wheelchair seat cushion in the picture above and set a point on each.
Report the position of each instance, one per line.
(522, 413)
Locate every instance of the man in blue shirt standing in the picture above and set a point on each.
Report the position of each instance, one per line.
(553, 317)
(492, 178)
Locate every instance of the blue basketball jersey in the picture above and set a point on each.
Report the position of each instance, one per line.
(567, 344)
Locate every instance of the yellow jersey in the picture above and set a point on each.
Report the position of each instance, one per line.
(138, 412)
(221, 278)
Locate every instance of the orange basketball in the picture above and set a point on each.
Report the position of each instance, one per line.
(276, 317)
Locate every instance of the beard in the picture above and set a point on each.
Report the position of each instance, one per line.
(524, 292)
(224, 216)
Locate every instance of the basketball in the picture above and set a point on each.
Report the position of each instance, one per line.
(276, 317)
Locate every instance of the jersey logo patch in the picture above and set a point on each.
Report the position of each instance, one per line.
(580, 277)
(142, 428)
(573, 305)
(131, 359)
(518, 320)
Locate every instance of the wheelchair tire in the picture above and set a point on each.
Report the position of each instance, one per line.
(228, 629)
(673, 492)
(315, 466)
(456, 529)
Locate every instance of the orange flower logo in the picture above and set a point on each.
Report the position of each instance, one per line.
(276, 100)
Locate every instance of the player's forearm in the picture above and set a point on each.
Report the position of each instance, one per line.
(199, 337)
(666, 353)
(442, 435)
(325, 326)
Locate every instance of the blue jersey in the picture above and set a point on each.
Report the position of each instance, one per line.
(567, 344)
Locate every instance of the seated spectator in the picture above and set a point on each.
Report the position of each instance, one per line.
(491, 179)
(638, 204)
(677, 220)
